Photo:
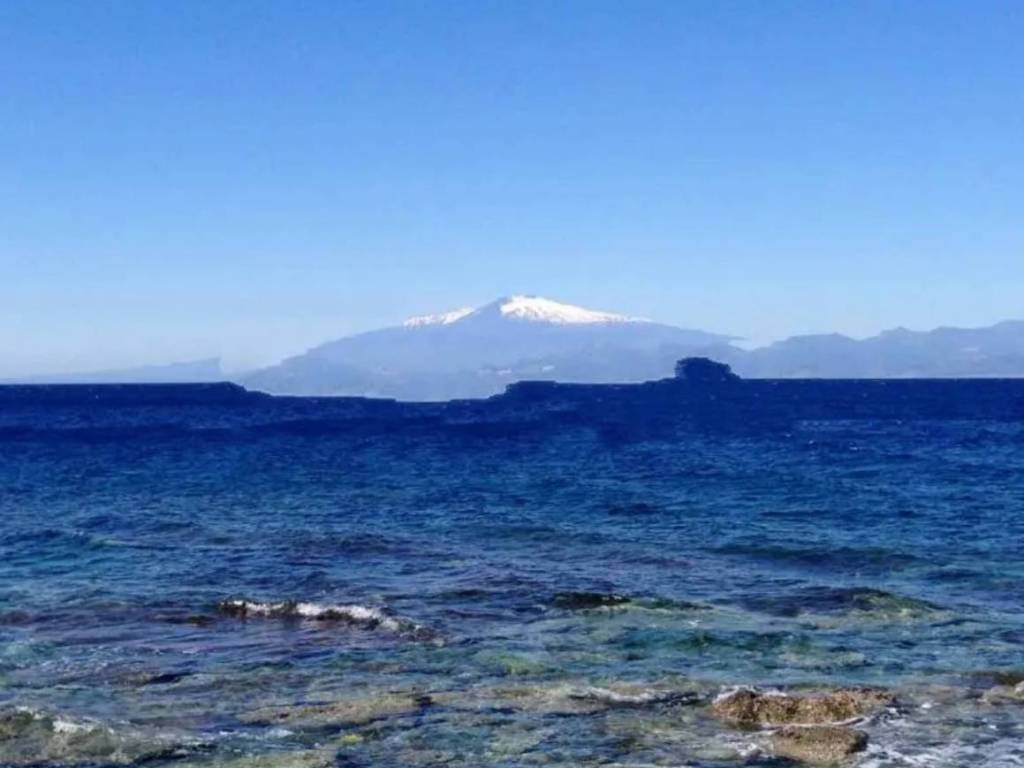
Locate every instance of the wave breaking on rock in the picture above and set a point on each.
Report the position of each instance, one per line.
(364, 617)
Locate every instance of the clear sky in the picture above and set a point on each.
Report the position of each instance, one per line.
(182, 179)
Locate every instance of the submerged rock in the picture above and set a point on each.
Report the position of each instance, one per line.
(193, 619)
(581, 601)
(142, 679)
(829, 605)
(513, 664)
(998, 677)
(356, 711)
(749, 707)
(302, 759)
(568, 698)
(819, 744)
(593, 601)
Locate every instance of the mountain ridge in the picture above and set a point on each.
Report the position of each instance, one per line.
(477, 352)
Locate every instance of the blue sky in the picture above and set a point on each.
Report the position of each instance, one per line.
(250, 178)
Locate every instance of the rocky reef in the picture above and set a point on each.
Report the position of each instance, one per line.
(523, 723)
(810, 727)
(1005, 694)
(356, 711)
(750, 707)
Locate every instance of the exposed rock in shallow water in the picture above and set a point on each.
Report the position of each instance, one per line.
(31, 737)
(1004, 694)
(819, 744)
(748, 707)
(357, 711)
(27, 736)
(364, 617)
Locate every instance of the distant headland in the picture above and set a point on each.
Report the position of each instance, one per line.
(703, 395)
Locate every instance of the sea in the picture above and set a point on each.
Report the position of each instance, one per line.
(199, 585)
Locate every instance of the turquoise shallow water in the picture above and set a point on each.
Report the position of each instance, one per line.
(543, 599)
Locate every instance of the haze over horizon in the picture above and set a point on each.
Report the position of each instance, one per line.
(248, 180)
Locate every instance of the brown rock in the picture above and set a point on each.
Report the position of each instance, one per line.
(302, 759)
(749, 707)
(819, 744)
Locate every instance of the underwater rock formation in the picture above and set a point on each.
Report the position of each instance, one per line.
(818, 744)
(34, 737)
(568, 698)
(357, 711)
(581, 601)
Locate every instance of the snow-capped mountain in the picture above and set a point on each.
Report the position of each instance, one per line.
(445, 318)
(476, 352)
(532, 308)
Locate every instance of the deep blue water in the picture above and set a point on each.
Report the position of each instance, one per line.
(496, 577)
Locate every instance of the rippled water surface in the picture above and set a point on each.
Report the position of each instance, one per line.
(544, 599)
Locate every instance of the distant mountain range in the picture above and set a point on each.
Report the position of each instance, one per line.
(477, 352)
(995, 351)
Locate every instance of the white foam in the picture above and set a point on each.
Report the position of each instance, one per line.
(355, 614)
(1004, 753)
(59, 725)
(615, 697)
(360, 614)
(729, 691)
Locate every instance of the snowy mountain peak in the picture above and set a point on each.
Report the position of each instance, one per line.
(547, 311)
(479, 352)
(530, 308)
(445, 318)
